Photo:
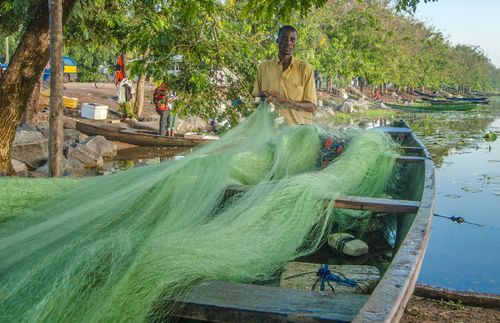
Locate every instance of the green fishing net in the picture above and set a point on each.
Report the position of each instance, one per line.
(122, 247)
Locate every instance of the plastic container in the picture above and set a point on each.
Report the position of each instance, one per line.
(94, 111)
(70, 103)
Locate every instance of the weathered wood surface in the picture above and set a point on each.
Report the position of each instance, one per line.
(230, 302)
(376, 204)
(120, 132)
(389, 299)
(409, 159)
(466, 298)
(302, 275)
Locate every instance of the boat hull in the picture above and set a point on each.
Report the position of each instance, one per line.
(229, 302)
(136, 137)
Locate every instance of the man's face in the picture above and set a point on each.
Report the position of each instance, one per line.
(287, 41)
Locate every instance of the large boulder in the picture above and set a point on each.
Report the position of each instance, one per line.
(31, 148)
(192, 124)
(88, 157)
(347, 107)
(19, 167)
(43, 127)
(72, 136)
(72, 168)
(101, 146)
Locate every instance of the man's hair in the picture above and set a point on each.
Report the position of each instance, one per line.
(287, 28)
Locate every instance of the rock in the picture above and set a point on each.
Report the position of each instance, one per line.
(72, 136)
(347, 107)
(69, 123)
(101, 146)
(43, 127)
(192, 124)
(88, 157)
(72, 167)
(75, 168)
(155, 118)
(31, 148)
(19, 167)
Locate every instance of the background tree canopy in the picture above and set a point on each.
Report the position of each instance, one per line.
(342, 39)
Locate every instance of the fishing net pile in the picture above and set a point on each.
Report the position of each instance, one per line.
(122, 247)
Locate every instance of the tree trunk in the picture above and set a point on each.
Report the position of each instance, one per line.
(56, 91)
(125, 63)
(6, 50)
(30, 112)
(18, 82)
(139, 100)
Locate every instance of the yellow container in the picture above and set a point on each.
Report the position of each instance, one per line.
(70, 103)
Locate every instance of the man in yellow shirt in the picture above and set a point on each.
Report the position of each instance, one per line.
(287, 81)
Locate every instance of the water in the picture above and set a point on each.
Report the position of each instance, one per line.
(464, 256)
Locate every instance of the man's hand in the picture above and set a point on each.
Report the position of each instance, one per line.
(276, 98)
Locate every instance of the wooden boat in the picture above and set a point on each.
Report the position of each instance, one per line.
(433, 107)
(469, 99)
(219, 301)
(123, 133)
(424, 94)
(456, 101)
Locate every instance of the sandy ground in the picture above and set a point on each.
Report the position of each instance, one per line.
(88, 93)
(418, 310)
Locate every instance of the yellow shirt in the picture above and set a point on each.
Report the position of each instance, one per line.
(295, 83)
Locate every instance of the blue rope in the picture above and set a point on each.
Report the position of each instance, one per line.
(326, 276)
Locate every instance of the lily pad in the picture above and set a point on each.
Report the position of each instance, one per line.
(490, 136)
(472, 189)
(452, 196)
(496, 192)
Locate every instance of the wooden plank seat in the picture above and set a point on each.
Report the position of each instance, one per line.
(219, 301)
(373, 204)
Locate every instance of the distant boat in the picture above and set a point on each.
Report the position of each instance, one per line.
(429, 95)
(434, 107)
(454, 101)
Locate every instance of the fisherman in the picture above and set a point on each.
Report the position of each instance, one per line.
(287, 81)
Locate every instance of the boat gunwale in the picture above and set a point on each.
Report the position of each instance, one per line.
(389, 298)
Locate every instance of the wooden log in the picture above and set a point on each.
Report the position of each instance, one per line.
(466, 298)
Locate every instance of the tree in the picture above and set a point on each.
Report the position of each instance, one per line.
(56, 91)
(18, 81)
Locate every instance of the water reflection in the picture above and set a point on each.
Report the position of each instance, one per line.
(140, 156)
(464, 256)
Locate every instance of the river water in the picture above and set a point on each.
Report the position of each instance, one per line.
(459, 256)
(464, 256)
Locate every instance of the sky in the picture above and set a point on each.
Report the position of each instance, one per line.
(468, 22)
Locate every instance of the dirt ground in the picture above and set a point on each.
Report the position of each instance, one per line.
(428, 310)
(418, 310)
(88, 93)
